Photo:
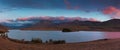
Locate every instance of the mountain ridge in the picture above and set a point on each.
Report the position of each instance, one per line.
(77, 25)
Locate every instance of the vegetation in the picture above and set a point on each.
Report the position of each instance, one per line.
(66, 30)
(55, 41)
(2, 31)
(36, 40)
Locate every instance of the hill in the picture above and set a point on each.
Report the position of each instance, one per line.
(3, 29)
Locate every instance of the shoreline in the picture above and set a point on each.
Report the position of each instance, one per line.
(30, 42)
(112, 44)
(102, 44)
(71, 31)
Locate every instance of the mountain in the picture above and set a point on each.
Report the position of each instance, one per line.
(16, 25)
(76, 25)
(110, 25)
(112, 22)
(23, 24)
(52, 25)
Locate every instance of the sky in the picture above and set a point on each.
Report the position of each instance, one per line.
(98, 9)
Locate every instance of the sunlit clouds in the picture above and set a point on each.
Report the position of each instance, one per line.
(56, 18)
(114, 12)
(97, 9)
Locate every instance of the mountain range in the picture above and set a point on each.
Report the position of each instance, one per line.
(76, 25)
(110, 25)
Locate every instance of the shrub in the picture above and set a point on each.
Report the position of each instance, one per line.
(36, 40)
(50, 40)
(59, 42)
(66, 30)
(56, 41)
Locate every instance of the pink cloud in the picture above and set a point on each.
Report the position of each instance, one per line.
(61, 18)
(76, 18)
(68, 5)
(112, 11)
(76, 7)
(57, 18)
(22, 19)
(45, 17)
(66, 2)
(92, 19)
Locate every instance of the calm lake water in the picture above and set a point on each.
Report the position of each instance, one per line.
(69, 37)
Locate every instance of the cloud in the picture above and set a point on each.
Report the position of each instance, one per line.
(68, 4)
(110, 10)
(56, 18)
(6, 9)
(33, 20)
(76, 7)
(93, 19)
(114, 12)
(23, 19)
(60, 4)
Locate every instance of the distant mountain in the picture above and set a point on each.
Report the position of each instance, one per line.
(16, 25)
(24, 24)
(113, 24)
(42, 21)
(52, 25)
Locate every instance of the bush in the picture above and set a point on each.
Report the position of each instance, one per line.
(59, 42)
(66, 30)
(50, 40)
(36, 40)
(56, 41)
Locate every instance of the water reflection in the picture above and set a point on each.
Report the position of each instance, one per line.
(70, 37)
(112, 35)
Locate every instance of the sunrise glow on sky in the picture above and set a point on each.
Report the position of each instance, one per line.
(98, 9)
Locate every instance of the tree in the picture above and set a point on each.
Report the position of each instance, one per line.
(66, 30)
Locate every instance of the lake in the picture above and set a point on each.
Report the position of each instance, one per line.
(69, 37)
